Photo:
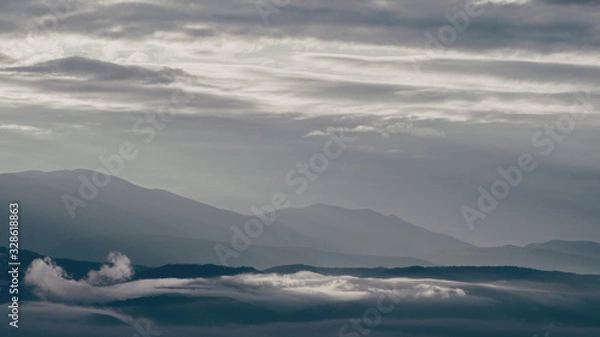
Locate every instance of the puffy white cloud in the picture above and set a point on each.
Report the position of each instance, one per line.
(51, 281)
(119, 270)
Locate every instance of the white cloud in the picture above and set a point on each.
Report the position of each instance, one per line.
(51, 282)
(384, 130)
(119, 270)
(26, 129)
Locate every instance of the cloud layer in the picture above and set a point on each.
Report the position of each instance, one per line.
(306, 302)
(50, 282)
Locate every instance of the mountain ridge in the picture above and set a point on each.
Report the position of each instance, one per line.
(156, 226)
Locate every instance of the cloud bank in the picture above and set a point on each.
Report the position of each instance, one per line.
(50, 282)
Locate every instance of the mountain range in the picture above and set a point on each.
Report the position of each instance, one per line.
(156, 227)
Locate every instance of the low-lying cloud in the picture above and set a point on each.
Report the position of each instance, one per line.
(118, 270)
(52, 283)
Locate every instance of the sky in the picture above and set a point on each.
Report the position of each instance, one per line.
(223, 99)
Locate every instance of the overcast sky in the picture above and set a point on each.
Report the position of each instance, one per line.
(435, 107)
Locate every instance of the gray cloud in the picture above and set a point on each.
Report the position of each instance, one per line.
(389, 22)
(573, 2)
(103, 71)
